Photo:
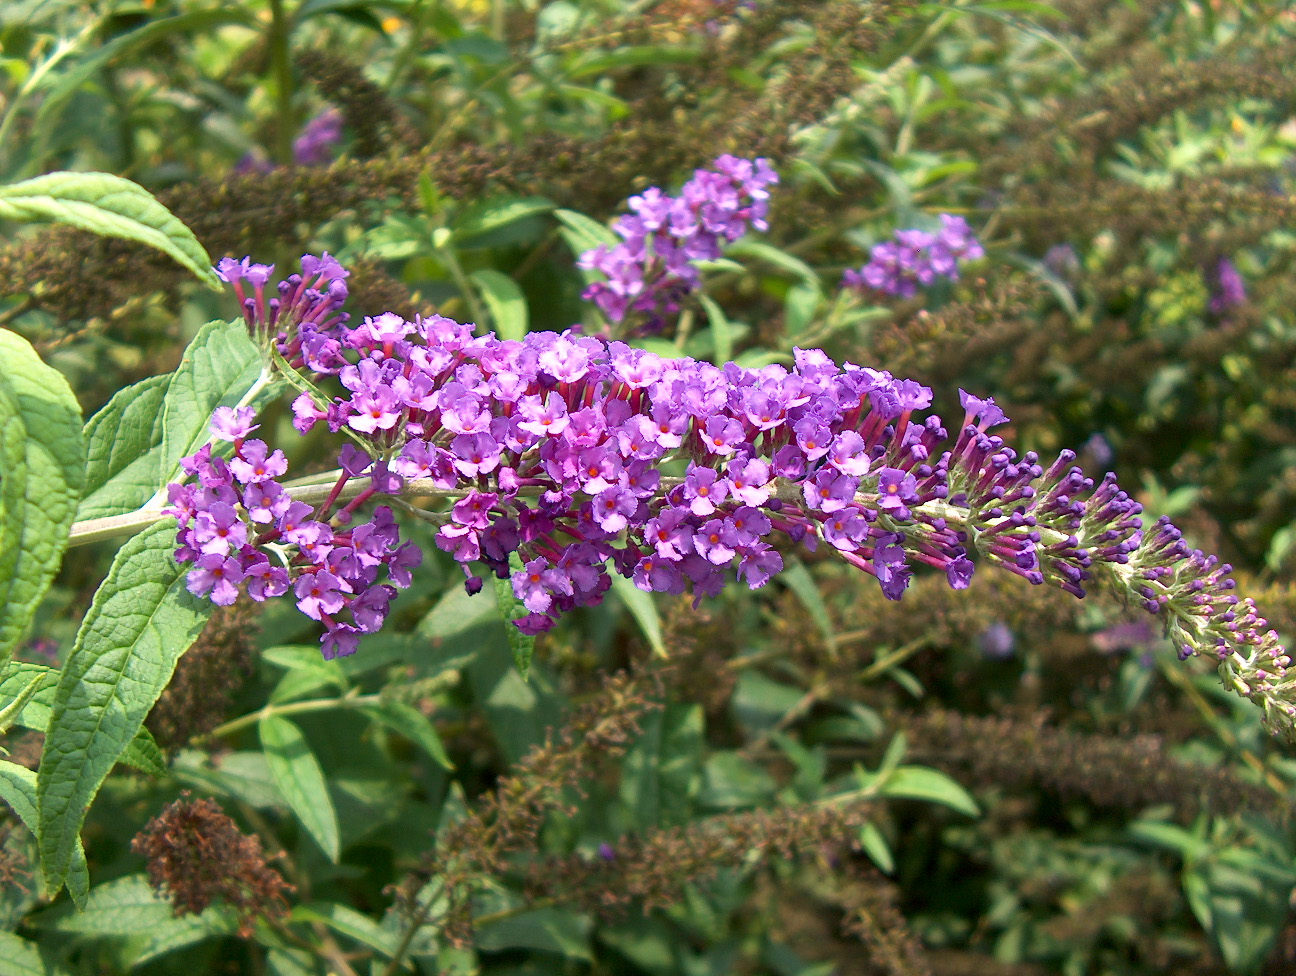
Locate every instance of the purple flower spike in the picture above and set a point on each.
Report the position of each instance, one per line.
(584, 457)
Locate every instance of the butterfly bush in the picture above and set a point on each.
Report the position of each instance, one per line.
(559, 459)
(654, 266)
(917, 258)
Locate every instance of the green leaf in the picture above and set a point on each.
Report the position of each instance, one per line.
(583, 234)
(412, 724)
(511, 609)
(642, 608)
(721, 331)
(779, 259)
(508, 307)
(42, 470)
(875, 846)
(1243, 910)
(350, 923)
(140, 623)
(301, 781)
(176, 933)
(799, 308)
(13, 708)
(631, 57)
(486, 218)
(543, 930)
(922, 783)
(109, 206)
(243, 775)
(222, 367)
(123, 450)
(143, 752)
(660, 774)
(18, 789)
(798, 579)
(18, 957)
(125, 906)
(135, 443)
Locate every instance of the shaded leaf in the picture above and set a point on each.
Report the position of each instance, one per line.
(140, 623)
(300, 779)
(42, 470)
(508, 307)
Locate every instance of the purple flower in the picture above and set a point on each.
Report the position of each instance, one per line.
(652, 269)
(997, 641)
(704, 489)
(230, 424)
(916, 258)
(319, 594)
(317, 143)
(1229, 290)
(217, 575)
(252, 465)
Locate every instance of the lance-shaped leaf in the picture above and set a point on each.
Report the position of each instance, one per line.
(124, 450)
(109, 206)
(140, 623)
(42, 468)
(135, 443)
(18, 789)
(39, 685)
(298, 775)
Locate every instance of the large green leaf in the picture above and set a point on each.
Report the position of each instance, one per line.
(42, 469)
(123, 450)
(18, 789)
(142, 753)
(109, 206)
(301, 781)
(126, 906)
(140, 623)
(18, 957)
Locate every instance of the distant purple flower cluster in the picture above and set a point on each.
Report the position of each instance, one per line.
(916, 258)
(242, 530)
(319, 138)
(653, 268)
(1228, 289)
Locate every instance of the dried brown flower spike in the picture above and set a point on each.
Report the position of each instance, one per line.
(198, 855)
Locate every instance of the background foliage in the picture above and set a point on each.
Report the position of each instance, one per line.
(803, 780)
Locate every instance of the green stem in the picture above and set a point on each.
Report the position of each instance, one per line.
(350, 700)
(115, 526)
(281, 65)
(417, 922)
(461, 281)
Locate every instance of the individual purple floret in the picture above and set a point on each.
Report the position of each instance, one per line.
(559, 459)
(916, 259)
(1229, 290)
(319, 138)
(653, 269)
